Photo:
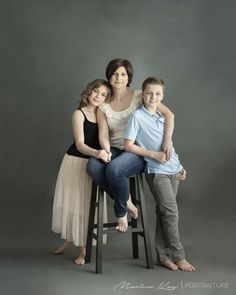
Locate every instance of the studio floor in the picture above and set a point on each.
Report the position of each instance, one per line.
(29, 267)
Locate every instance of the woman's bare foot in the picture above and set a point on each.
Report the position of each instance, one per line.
(169, 264)
(133, 211)
(122, 225)
(80, 260)
(62, 248)
(185, 265)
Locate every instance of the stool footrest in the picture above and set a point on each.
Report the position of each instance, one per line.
(138, 230)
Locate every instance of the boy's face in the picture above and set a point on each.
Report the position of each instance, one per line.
(152, 95)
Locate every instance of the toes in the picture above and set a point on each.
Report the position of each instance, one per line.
(170, 265)
(79, 261)
(121, 228)
(122, 225)
(185, 266)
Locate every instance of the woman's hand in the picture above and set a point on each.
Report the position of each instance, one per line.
(159, 156)
(109, 156)
(103, 155)
(167, 148)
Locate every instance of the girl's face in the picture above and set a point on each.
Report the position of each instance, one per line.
(98, 95)
(119, 79)
(152, 95)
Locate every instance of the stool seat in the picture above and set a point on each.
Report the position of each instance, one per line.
(141, 229)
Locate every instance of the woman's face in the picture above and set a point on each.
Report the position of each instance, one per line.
(98, 95)
(119, 79)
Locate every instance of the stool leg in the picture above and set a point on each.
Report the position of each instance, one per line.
(146, 235)
(99, 231)
(134, 223)
(91, 223)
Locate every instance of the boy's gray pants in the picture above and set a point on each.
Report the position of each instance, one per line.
(167, 242)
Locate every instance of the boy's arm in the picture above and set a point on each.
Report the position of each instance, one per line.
(169, 128)
(130, 146)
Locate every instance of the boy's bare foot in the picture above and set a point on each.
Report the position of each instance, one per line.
(62, 248)
(133, 211)
(169, 264)
(80, 260)
(185, 265)
(122, 225)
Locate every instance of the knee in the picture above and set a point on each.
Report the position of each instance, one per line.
(93, 167)
(170, 211)
(89, 167)
(113, 170)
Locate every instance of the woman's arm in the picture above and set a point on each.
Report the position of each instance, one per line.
(78, 131)
(131, 147)
(169, 128)
(103, 131)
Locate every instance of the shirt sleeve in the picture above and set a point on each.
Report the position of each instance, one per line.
(102, 107)
(132, 128)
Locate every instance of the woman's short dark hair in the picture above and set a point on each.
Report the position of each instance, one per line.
(114, 64)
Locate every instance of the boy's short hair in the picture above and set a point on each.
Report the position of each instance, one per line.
(153, 80)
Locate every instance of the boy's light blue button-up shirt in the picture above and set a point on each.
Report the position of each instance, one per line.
(147, 130)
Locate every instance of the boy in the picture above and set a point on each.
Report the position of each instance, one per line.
(144, 137)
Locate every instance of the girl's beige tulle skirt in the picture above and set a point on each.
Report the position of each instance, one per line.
(72, 201)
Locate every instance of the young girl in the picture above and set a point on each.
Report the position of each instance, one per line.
(73, 187)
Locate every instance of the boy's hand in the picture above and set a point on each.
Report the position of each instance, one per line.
(183, 175)
(160, 157)
(167, 148)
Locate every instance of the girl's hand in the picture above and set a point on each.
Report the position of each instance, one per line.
(103, 155)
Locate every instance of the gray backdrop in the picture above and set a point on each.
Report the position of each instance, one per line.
(50, 50)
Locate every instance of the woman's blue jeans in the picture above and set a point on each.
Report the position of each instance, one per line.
(113, 177)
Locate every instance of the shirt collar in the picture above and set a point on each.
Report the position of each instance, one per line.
(150, 114)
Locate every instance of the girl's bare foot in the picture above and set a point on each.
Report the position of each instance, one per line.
(133, 211)
(169, 264)
(62, 248)
(185, 265)
(80, 260)
(122, 225)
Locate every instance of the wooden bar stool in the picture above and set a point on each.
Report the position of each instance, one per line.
(137, 194)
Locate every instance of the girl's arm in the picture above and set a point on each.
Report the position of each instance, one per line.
(103, 131)
(78, 131)
(131, 147)
(169, 128)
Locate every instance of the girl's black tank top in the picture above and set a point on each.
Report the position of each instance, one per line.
(90, 138)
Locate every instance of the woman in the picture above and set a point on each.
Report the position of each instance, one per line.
(112, 121)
